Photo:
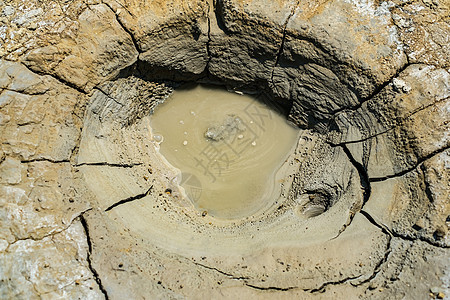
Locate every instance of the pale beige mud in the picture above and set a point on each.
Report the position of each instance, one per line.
(96, 203)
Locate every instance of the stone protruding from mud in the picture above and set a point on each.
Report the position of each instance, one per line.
(232, 125)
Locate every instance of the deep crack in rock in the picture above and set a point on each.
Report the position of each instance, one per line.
(89, 259)
(135, 43)
(420, 161)
(130, 199)
(114, 165)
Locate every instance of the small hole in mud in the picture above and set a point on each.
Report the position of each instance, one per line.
(313, 203)
(438, 234)
(416, 227)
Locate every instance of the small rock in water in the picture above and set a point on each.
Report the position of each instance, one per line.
(231, 125)
(158, 138)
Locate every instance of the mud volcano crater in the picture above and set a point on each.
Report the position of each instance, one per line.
(361, 188)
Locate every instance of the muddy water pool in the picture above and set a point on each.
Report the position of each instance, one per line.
(227, 146)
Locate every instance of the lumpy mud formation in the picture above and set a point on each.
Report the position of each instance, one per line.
(351, 202)
(228, 148)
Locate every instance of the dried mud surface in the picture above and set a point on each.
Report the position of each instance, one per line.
(89, 209)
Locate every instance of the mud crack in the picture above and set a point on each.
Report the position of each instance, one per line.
(374, 273)
(130, 199)
(133, 39)
(387, 252)
(270, 288)
(208, 42)
(89, 259)
(51, 233)
(107, 95)
(114, 165)
(59, 79)
(44, 159)
(221, 272)
(399, 124)
(245, 279)
(322, 288)
(283, 39)
(401, 236)
(376, 91)
(365, 186)
(410, 169)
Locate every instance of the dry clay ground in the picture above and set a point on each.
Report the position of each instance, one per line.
(89, 210)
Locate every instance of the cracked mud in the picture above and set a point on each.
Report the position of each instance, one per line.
(90, 209)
